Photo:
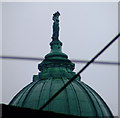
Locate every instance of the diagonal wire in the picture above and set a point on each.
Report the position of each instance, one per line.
(73, 60)
(92, 60)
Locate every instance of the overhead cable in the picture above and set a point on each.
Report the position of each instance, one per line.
(91, 61)
(73, 60)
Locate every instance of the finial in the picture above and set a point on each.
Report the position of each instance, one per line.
(55, 26)
(56, 59)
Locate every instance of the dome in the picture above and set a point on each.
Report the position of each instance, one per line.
(55, 71)
(77, 99)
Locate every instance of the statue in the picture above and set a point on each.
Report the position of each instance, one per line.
(55, 26)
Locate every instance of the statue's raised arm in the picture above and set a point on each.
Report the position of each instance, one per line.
(55, 26)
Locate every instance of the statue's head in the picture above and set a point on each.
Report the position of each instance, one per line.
(56, 15)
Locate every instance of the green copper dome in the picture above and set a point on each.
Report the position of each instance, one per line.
(55, 70)
(77, 99)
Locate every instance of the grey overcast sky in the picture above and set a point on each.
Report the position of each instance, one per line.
(85, 28)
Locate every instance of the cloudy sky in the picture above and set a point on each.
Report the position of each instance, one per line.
(85, 28)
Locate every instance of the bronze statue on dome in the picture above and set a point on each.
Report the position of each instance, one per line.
(55, 26)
